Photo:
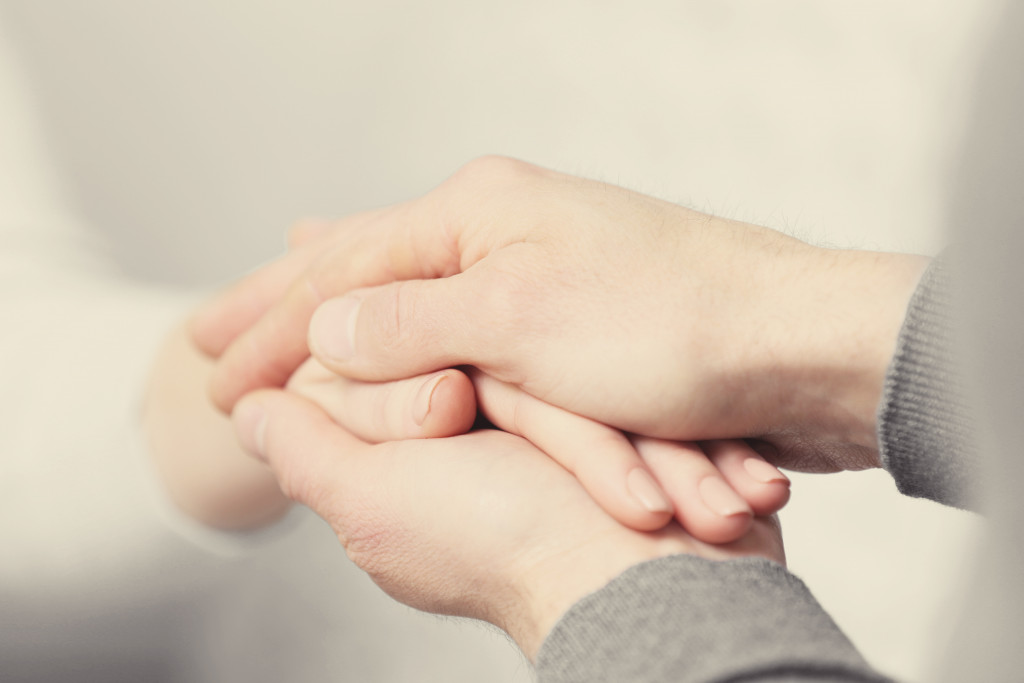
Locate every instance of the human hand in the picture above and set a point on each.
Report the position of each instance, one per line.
(631, 311)
(481, 525)
(210, 477)
(714, 489)
(198, 460)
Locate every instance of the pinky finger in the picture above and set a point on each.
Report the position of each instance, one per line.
(706, 505)
(761, 484)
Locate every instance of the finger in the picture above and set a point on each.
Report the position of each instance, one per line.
(436, 405)
(705, 504)
(309, 454)
(404, 328)
(370, 249)
(764, 487)
(219, 322)
(305, 231)
(601, 458)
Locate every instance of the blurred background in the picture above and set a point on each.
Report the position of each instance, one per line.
(189, 135)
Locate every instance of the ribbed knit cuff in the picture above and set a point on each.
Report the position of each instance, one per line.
(683, 618)
(925, 431)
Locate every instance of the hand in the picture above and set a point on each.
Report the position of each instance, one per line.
(195, 453)
(208, 475)
(211, 479)
(480, 525)
(628, 310)
(713, 497)
(713, 489)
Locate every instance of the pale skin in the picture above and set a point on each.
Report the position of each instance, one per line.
(481, 525)
(627, 310)
(621, 311)
(210, 477)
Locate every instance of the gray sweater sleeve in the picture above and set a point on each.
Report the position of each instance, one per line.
(925, 429)
(683, 618)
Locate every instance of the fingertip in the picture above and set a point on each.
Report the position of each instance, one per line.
(645, 521)
(447, 404)
(764, 472)
(249, 419)
(762, 485)
(649, 507)
(204, 331)
(767, 499)
(221, 393)
(712, 511)
(705, 503)
(721, 530)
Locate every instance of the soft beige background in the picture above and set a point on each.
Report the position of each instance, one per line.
(192, 133)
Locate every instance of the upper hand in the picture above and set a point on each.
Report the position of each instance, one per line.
(622, 308)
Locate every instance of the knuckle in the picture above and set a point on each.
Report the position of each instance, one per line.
(367, 545)
(399, 318)
(393, 307)
(322, 279)
(493, 169)
(506, 297)
(510, 303)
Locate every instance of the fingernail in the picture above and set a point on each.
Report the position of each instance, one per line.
(332, 331)
(251, 427)
(721, 499)
(644, 489)
(764, 472)
(421, 406)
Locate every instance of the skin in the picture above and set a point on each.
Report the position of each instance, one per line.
(204, 470)
(211, 478)
(623, 309)
(481, 525)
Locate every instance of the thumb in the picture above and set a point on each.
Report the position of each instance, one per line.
(311, 457)
(403, 329)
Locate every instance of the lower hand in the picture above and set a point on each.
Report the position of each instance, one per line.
(481, 525)
(713, 489)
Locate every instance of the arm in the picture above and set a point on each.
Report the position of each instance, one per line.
(759, 619)
(683, 618)
(483, 525)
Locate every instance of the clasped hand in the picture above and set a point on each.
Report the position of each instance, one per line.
(583, 309)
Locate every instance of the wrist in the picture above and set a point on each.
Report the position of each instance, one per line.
(549, 587)
(845, 325)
